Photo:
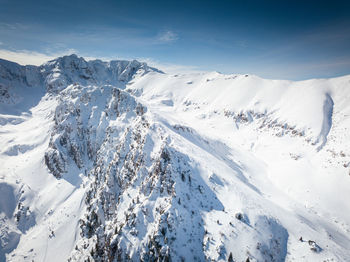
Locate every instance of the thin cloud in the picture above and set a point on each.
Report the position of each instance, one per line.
(168, 37)
(12, 26)
(171, 68)
(27, 57)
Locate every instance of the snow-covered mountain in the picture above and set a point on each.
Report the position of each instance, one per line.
(118, 161)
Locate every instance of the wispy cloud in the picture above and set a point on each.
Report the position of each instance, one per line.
(27, 57)
(168, 36)
(12, 26)
(171, 68)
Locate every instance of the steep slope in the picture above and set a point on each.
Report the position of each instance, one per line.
(22, 86)
(118, 161)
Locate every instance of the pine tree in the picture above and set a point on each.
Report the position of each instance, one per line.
(230, 258)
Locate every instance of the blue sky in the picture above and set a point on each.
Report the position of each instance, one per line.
(273, 39)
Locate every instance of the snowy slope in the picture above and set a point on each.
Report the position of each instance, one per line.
(118, 161)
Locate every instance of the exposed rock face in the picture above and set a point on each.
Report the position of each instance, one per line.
(57, 74)
(138, 181)
(71, 69)
(82, 123)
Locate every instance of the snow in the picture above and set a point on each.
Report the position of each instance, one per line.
(118, 160)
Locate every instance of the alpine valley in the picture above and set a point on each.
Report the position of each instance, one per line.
(119, 161)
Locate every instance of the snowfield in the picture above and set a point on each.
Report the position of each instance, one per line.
(119, 161)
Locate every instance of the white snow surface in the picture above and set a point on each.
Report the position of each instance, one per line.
(118, 161)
